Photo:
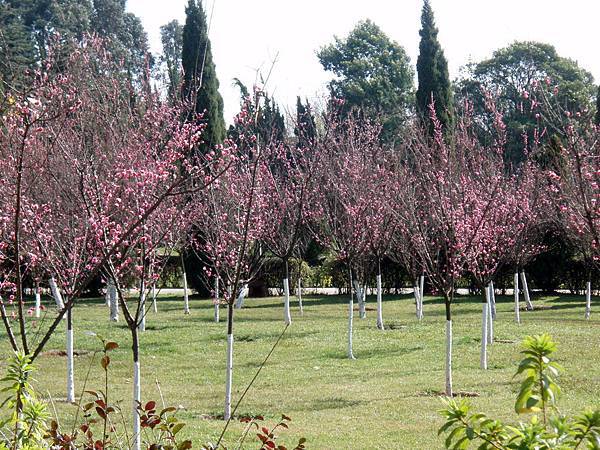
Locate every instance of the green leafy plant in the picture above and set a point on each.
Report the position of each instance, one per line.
(538, 394)
(25, 424)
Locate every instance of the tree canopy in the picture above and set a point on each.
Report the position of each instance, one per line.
(372, 72)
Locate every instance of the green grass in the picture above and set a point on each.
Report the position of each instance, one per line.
(386, 399)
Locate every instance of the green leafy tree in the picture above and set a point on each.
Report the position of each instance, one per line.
(510, 76)
(28, 26)
(432, 72)
(373, 74)
(171, 36)
(200, 83)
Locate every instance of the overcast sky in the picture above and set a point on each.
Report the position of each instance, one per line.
(247, 36)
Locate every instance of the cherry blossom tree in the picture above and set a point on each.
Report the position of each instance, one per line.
(88, 162)
(442, 208)
(348, 149)
(231, 223)
(286, 210)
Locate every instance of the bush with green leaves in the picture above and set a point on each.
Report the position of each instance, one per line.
(24, 417)
(546, 429)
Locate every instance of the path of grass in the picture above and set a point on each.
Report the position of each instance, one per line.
(382, 400)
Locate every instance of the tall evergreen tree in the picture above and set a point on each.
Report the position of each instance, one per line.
(171, 36)
(432, 71)
(598, 107)
(200, 83)
(306, 129)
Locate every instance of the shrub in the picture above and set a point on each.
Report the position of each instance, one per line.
(538, 395)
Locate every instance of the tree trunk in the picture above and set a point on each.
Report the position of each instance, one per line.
(526, 291)
(142, 308)
(485, 314)
(360, 299)
(449, 391)
(299, 294)
(421, 295)
(588, 299)
(379, 299)
(287, 317)
(350, 320)
(186, 298)
(493, 300)
(516, 294)
(240, 298)
(70, 361)
(417, 296)
(216, 301)
(56, 294)
(38, 300)
(112, 300)
(229, 362)
(154, 305)
(137, 390)
(490, 320)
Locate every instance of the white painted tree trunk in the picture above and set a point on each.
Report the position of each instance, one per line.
(186, 298)
(239, 303)
(56, 294)
(287, 317)
(421, 295)
(216, 315)
(417, 296)
(516, 295)
(112, 300)
(350, 321)
(526, 292)
(142, 317)
(484, 331)
(493, 300)
(38, 301)
(106, 296)
(490, 319)
(70, 361)
(361, 299)
(379, 304)
(299, 295)
(137, 399)
(588, 299)
(449, 358)
(228, 377)
(154, 305)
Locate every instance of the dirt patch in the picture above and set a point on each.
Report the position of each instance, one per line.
(394, 326)
(367, 308)
(464, 394)
(505, 341)
(63, 353)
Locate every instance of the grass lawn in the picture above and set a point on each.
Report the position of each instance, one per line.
(385, 399)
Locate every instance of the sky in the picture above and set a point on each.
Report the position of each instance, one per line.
(282, 36)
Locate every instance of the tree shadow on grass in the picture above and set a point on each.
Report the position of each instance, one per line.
(372, 353)
(324, 404)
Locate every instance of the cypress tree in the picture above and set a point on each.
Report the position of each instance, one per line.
(306, 129)
(200, 83)
(432, 72)
(598, 107)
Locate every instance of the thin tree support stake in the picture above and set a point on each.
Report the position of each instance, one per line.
(70, 361)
